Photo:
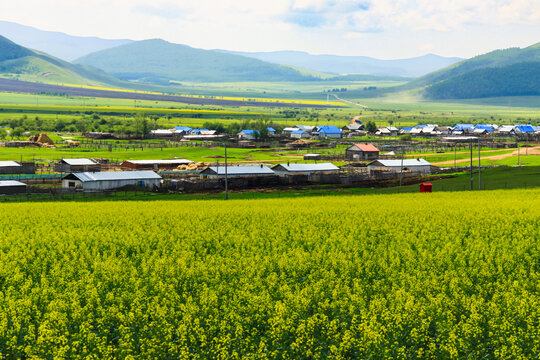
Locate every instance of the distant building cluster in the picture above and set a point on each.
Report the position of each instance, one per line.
(461, 129)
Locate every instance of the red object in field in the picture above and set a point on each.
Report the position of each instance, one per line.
(426, 187)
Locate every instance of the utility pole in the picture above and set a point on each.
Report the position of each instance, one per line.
(518, 151)
(479, 168)
(226, 176)
(471, 169)
(401, 167)
(455, 156)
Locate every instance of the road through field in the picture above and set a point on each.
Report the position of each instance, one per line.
(530, 151)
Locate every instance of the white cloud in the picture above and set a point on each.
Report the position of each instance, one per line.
(383, 28)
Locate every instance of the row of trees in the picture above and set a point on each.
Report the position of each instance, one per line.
(138, 124)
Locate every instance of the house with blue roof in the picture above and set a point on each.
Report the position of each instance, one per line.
(329, 131)
(405, 130)
(185, 129)
(524, 129)
(271, 131)
(248, 134)
(486, 127)
(463, 128)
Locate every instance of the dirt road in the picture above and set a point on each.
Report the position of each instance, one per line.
(529, 151)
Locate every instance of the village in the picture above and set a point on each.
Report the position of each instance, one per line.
(350, 163)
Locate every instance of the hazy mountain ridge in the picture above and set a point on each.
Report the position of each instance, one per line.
(57, 44)
(158, 60)
(364, 65)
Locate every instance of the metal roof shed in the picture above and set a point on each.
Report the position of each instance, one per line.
(304, 169)
(11, 187)
(101, 181)
(77, 165)
(153, 164)
(412, 165)
(213, 172)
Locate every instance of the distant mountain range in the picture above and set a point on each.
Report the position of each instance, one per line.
(60, 45)
(70, 48)
(364, 65)
(510, 72)
(158, 61)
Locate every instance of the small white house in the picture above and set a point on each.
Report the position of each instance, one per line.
(101, 181)
(248, 134)
(413, 165)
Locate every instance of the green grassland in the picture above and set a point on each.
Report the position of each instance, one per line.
(443, 275)
(197, 154)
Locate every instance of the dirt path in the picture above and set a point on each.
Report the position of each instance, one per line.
(529, 151)
(349, 102)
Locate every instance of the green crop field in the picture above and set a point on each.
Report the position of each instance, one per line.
(449, 275)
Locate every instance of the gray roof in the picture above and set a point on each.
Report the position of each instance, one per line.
(11, 183)
(397, 163)
(9, 163)
(151, 162)
(79, 162)
(308, 167)
(116, 175)
(240, 170)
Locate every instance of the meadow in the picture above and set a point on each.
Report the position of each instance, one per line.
(449, 275)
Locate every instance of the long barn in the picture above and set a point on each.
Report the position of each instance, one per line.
(102, 181)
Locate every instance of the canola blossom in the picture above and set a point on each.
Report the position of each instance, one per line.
(442, 275)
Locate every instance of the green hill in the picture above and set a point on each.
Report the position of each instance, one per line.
(521, 79)
(497, 58)
(509, 72)
(158, 61)
(20, 63)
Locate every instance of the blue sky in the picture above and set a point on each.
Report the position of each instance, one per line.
(385, 29)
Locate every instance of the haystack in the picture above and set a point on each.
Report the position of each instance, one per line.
(43, 139)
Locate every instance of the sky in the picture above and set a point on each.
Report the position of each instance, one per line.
(385, 29)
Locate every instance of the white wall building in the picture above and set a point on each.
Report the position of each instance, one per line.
(413, 165)
(101, 181)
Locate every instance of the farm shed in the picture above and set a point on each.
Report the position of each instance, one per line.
(305, 169)
(153, 164)
(214, 172)
(312, 157)
(507, 130)
(413, 165)
(15, 167)
(352, 127)
(101, 181)
(383, 131)
(362, 152)
(299, 134)
(307, 128)
(11, 187)
(77, 165)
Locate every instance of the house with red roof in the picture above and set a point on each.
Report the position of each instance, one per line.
(362, 152)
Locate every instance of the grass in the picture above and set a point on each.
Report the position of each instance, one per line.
(188, 152)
